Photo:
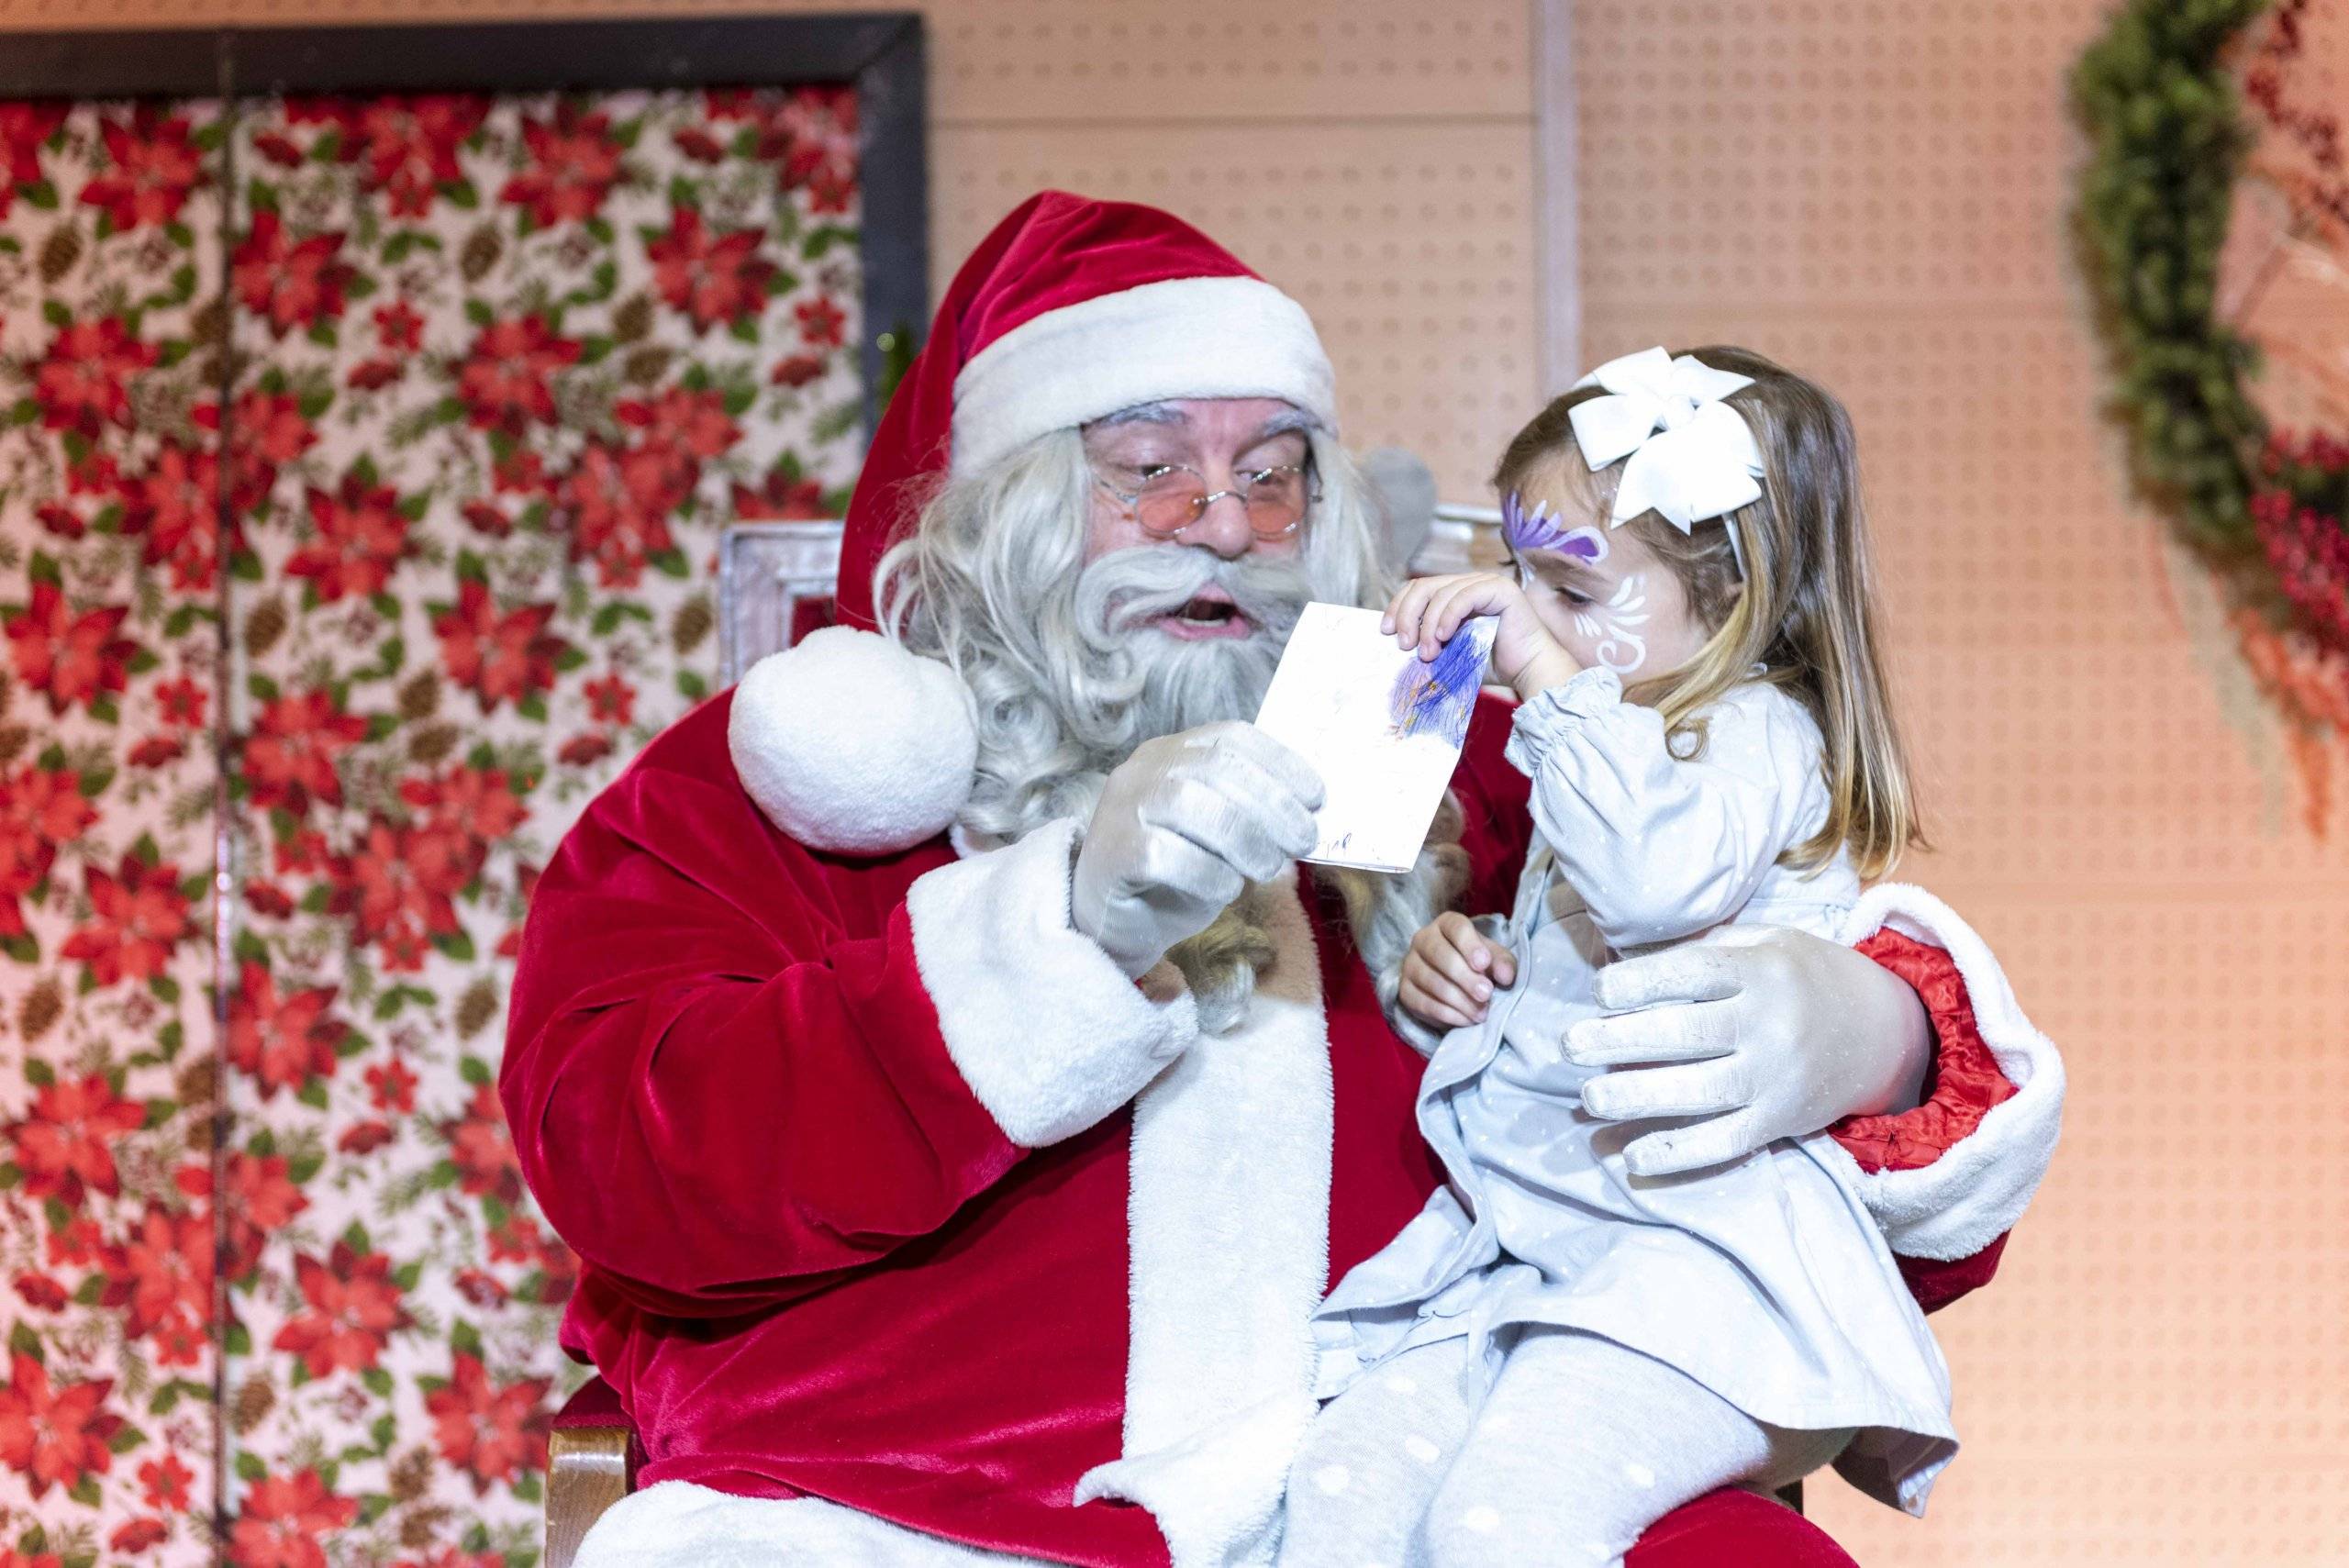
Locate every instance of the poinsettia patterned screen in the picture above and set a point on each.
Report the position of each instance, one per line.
(479, 379)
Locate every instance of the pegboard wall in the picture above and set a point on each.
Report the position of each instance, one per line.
(1877, 192)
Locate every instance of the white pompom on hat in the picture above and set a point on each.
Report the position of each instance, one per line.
(853, 745)
(1070, 311)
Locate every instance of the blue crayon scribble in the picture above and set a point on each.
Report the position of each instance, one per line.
(1437, 696)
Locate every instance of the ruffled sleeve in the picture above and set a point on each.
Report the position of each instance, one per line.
(1659, 847)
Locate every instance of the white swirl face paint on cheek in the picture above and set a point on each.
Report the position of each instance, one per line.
(1621, 648)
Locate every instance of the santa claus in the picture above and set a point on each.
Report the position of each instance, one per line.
(958, 1098)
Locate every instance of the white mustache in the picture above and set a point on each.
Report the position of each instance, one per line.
(1127, 587)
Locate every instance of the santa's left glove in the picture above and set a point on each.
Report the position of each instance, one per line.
(1753, 1034)
(1182, 825)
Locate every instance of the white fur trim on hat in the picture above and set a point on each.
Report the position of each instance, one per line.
(1231, 337)
(853, 745)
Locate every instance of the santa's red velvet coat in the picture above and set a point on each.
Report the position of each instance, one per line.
(886, 1192)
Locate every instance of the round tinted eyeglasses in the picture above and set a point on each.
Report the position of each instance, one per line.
(1169, 498)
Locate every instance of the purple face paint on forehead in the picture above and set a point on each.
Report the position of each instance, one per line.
(1542, 531)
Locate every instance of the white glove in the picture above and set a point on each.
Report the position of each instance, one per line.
(1777, 1034)
(1181, 827)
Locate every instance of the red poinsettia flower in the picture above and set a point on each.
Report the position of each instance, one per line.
(711, 278)
(831, 190)
(360, 535)
(798, 369)
(482, 1288)
(282, 1042)
(501, 656)
(823, 324)
(39, 1292)
(610, 699)
(297, 736)
(392, 1085)
(165, 1484)
(180, 1341)
(300, 852)
(70, 658)
(285, 1519)
(40, 810)
(479, 802)
(136, 1536)
(85, 381)
(181, 701)
(25, 125)
(353, 1311)
(506, 380)
(698, 144)
(65, 1142)
(574, 162)
(154, 168)
(57, 1435)
(161, 1268)
(78, 1242)
(396, 885)
(780, 498)
(138, 915)
(684, 422)
(268, 899)
(617, 501)
(815, 132)
(409, 144)
(271, 429)
(262, 1198)
(496, 1435)
(400, 327)
(290, 284)
(578, 752)
(279, 149)
(482, 1149)
(366, 1137)
(175, 507)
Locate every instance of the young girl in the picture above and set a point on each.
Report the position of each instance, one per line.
(1560, 1349)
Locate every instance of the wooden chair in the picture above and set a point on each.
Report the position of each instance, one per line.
(592, 1457)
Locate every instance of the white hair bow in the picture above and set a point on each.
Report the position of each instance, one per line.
(1692, 456)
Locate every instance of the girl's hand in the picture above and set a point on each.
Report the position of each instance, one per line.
(1449, 973)
(1430, 610)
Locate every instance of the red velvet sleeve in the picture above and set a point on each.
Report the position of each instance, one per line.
(725, 1078)
(1964, 1083)
(1498, 826)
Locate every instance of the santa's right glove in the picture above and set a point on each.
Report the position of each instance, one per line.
(1181, 827)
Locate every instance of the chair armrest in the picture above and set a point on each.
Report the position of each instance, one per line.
(587, 1472)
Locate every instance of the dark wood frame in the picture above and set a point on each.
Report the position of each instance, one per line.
(881, 52)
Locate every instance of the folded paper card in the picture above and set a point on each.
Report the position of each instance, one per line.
(1382, 725)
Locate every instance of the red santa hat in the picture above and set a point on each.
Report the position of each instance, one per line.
(1070, 311)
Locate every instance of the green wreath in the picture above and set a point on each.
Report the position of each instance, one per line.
(2269, 510)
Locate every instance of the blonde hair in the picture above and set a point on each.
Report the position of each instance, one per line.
(1804, 607)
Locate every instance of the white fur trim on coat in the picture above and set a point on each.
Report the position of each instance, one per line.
(1234, 336)
(1974, 1192)
(1229, 1221)
(853, 745)
(676, 1524)
(1044, 1027)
